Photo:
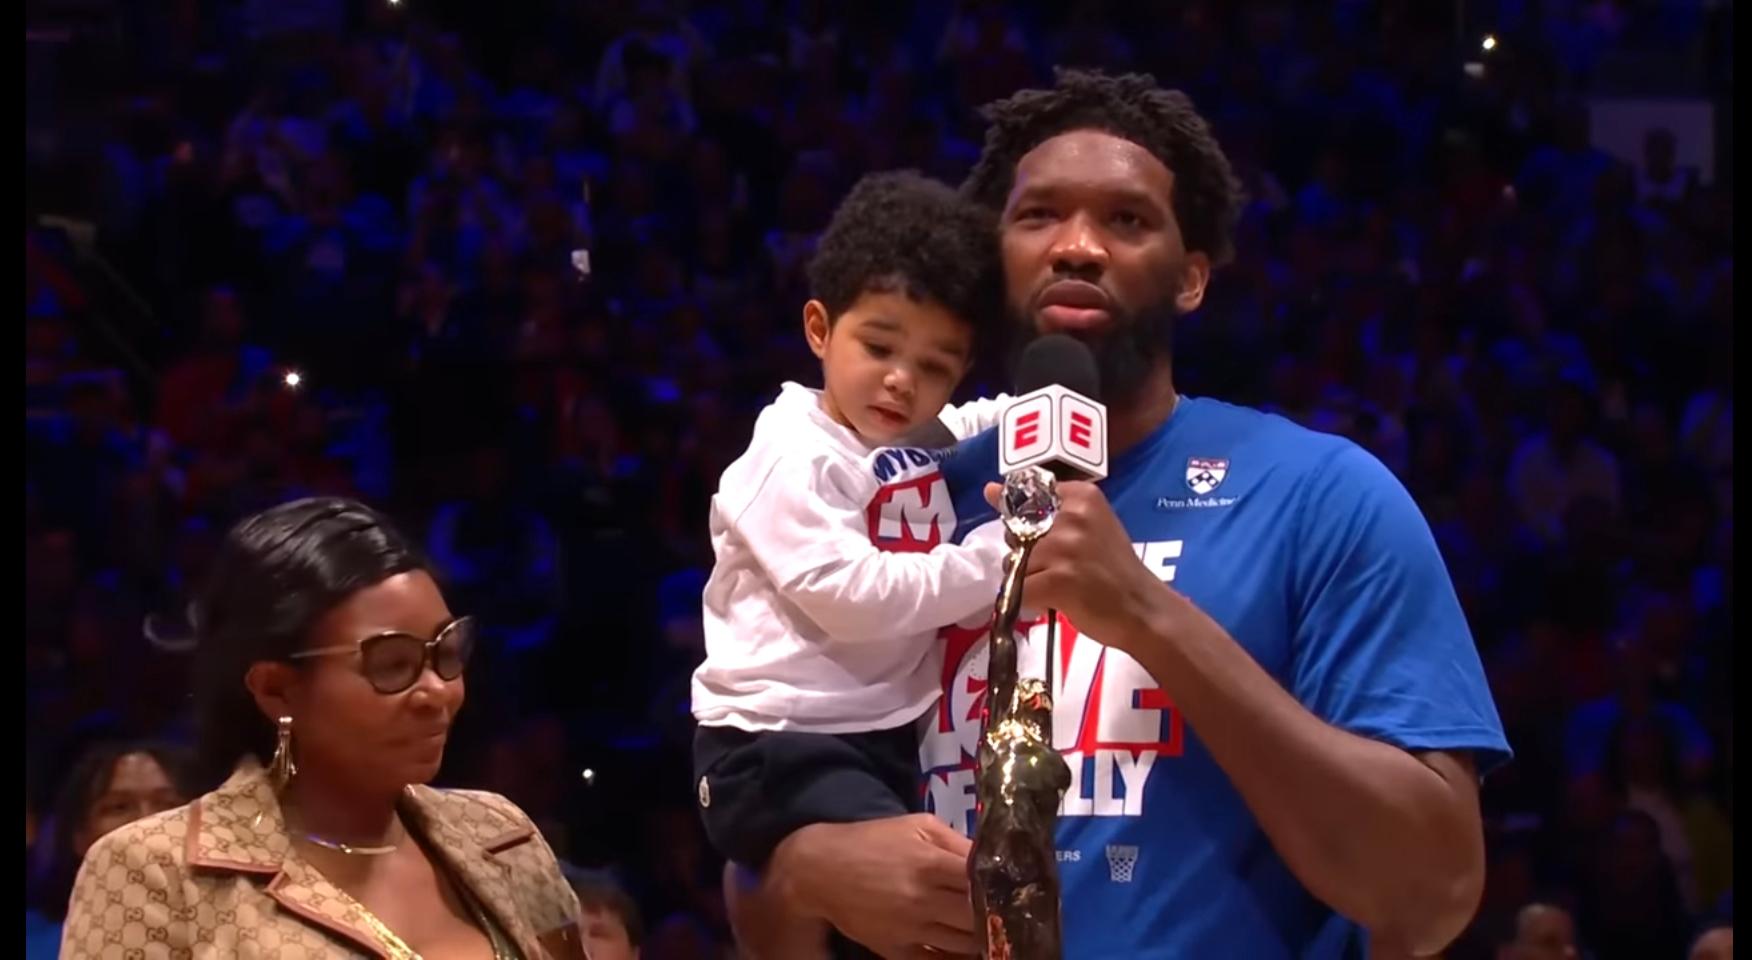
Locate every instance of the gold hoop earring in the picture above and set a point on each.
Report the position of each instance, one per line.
(283, 768)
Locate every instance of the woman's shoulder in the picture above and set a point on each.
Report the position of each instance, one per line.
(143, 860)
(493, 824)
(486, 818)
(158, 839)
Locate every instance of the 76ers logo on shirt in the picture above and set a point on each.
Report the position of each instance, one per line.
(1204, 475)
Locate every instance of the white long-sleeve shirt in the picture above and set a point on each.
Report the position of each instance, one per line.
(809, 626)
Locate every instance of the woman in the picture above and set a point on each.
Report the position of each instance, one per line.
(326, 650)
(111, 786)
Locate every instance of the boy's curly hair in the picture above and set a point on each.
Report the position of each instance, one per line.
(1207, 197)
(899, 231)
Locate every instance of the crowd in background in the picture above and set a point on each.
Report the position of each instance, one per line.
(523, 279)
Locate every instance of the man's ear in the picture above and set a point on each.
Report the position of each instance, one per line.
(1195, 274)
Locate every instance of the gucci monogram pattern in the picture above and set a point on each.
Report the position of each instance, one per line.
(219, 878)
(518, 866)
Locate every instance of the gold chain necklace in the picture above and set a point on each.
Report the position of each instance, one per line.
(349, 849)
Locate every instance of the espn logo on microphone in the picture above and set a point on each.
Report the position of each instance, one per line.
(1051, 426)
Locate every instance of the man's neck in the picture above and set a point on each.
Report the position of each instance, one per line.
(1136, 417)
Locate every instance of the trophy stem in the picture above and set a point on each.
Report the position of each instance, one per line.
(1013, 867)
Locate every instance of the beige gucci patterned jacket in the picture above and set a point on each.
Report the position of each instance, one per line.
(218, 878)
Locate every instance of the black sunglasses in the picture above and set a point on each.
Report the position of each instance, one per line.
(392, 662)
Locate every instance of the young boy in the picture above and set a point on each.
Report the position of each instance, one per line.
(821, 649)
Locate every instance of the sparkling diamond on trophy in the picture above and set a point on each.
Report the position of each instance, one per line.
(1030, 502)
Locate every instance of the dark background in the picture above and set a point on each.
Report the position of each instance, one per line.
(1437, 260)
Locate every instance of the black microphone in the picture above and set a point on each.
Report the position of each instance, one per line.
(1062, 359)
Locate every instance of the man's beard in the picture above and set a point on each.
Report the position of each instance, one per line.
(1125, 352)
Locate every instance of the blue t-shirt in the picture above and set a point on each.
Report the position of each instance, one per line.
(1311, 554)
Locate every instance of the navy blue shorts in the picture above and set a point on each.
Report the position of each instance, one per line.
(755, 789)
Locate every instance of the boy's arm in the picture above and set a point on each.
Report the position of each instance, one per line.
(813, 539)
(974, 416)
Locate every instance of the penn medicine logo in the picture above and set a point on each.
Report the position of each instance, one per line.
(1203, 474)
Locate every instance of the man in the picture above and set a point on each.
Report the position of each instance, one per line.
(1542, 932)
(1273, 710)
(1716, 943)
(609, 919)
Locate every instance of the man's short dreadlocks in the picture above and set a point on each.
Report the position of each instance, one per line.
(1207, 197)
(902, 232)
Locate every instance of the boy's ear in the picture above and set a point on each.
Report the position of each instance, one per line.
(816, 326)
